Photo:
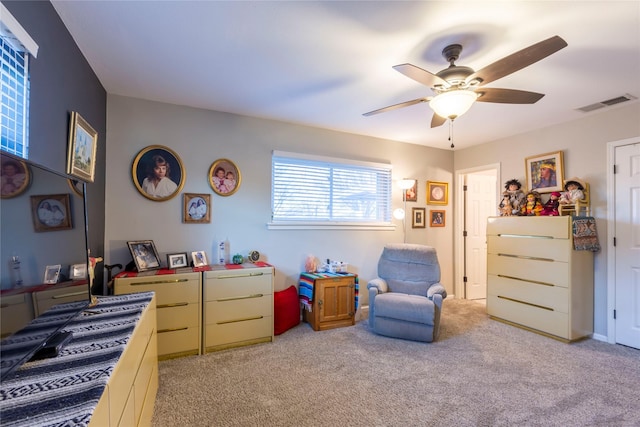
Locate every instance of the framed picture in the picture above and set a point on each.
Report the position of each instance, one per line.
(16, 177)
(76, 186)
(51, 212)
(52, 274)
(199, 258)
(418, 216)
(78, 272)
(81, 154)
(224, 177)
(411, 194)
(144, 255)
(177, 260)
(437, 218)
(158, 173)
(197, 208)
(545, 172)
(437, 193)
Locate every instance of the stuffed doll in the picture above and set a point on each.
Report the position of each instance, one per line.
(551, 207)
(533, 207)
(506, 208)
(516, 196)
(573, 192)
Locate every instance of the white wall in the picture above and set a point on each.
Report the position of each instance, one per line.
(584, 146)
(200, 137)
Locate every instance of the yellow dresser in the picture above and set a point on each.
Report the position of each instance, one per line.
(535, 278)
(179, 308)
(238, 306)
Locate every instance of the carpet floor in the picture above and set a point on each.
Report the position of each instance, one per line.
(480, 372)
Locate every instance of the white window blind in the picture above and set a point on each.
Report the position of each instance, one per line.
(15, 46)
(322, 190)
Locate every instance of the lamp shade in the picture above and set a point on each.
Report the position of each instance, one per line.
(453, 104)
(406, 184)
(398, 213)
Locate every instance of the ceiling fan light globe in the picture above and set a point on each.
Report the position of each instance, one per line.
(453, 104)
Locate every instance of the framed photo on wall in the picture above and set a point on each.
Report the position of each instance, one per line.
(545, 172)
(15, 175)
(158, 173)
(51, 212)
(437, 193)
(81, 154)
(224, 177)
(418, 218)
(437, 218)
(411, 194)
(197, 208)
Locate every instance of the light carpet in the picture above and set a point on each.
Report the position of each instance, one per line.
(480, 372)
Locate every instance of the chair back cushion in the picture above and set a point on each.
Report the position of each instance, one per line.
(409, 268)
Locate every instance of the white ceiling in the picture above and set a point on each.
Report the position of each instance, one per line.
(324, 64)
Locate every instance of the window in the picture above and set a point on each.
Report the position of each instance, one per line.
(312, 191)
(15, 47)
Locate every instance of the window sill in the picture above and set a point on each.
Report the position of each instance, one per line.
(300, 225)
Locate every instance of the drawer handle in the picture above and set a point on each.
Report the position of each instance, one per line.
(234, 276)
(175, 304)
(160, 331)
(70, 294)
(535, 258)
(242, 297)
(524, 236)
(157, 282)
(526, 280)
(240, 320)
(526, 303)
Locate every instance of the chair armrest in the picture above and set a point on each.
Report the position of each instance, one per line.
(378, 284)
(438, 289)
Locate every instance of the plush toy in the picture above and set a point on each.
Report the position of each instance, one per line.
(533, 207)
(573, 191)
(506, 208)
(551, 207)
(516, 196)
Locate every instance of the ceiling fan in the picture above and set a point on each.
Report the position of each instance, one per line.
(457, 87)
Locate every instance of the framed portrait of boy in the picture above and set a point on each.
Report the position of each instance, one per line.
(158, 173)
(437, 218)
(545, 172)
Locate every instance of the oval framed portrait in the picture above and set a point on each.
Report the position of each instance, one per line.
(158, 173)
(15, 175)
(224, 177)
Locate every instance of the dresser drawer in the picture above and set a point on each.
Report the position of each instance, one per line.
(552, 297)
(533, 270)
(238, 285)
(44, 300)
(238, 309)
(178, 316)
(171, 289)
(548, 321)
(530, 247)
(185, 340)
(236, 332)
(544, 226)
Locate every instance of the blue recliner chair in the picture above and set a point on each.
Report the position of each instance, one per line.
(406, 299)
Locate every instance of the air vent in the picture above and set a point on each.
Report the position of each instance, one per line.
(607, 103)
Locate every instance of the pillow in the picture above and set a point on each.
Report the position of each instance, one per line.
(286, 310)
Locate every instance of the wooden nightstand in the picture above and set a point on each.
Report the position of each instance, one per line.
(329, 299)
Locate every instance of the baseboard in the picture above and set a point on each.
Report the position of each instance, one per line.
(599, 337)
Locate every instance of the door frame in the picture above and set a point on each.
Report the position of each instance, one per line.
(459, 224)
(611, 225)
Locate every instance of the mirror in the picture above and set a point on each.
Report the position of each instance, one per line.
(42, 226)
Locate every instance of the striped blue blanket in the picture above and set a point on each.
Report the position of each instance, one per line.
(307, 281)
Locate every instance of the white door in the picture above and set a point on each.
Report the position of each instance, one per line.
(627, 249)
(480, 203)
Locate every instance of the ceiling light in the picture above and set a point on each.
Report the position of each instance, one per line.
(453, 104)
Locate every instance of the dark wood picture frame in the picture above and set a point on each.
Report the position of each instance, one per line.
(145, 255)
(437, 218)
(411, 194)
(51, 212)
(418, 219)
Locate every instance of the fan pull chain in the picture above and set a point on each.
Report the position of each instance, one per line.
(451, 132)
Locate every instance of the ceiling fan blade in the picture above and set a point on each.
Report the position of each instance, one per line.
(507, 96)
(436, 121)
(395, 106)
(420, 75)
(516, 61)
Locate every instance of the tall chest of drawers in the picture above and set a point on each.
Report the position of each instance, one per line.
(179, 308)
(238, 307)
(535, 278)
